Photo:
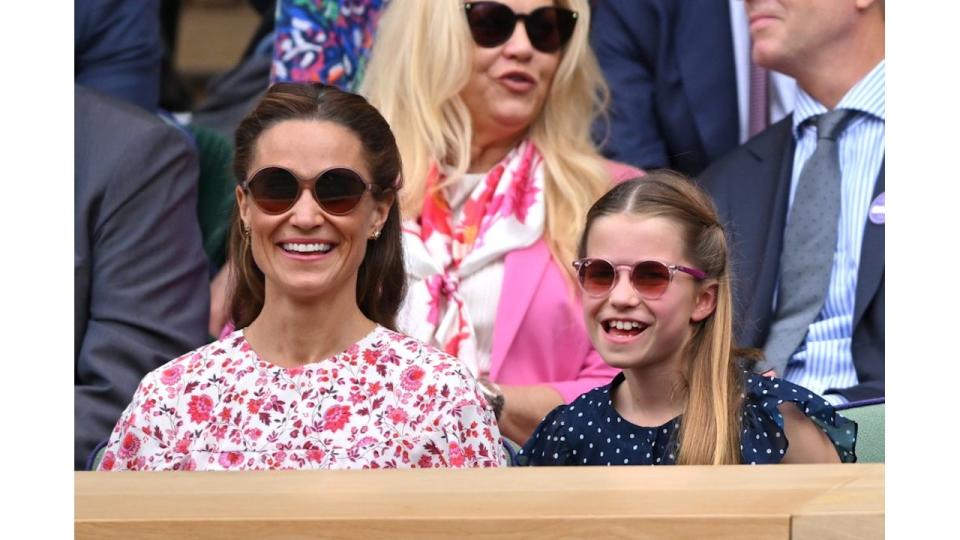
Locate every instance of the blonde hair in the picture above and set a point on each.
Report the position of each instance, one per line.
(710, 429)
(417, 91)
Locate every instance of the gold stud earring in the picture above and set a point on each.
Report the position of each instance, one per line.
(375, 235)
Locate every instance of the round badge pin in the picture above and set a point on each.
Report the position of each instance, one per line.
(878, 210)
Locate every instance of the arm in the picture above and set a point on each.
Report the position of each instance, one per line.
(807, 442)
(524, 408)
(148, 291)
(624, 38)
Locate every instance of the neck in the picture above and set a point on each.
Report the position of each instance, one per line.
(650, 395)
(486, 150)
(858, 55)
(291, 332)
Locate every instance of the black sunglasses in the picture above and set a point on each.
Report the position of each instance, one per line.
(337, 190)
(492, 23)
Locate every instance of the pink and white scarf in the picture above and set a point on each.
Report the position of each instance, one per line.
(504, 212)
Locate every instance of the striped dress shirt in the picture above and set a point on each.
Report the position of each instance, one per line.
(824, 360)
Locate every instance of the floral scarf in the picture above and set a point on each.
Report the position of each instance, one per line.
(504, 212)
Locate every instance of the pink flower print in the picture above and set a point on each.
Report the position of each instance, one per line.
(456, 455)
(183, 445)
(361, 446)
(315, 455)
(199, 408)
(147, 405)
(397, 415)
(336, 417)
(171, 375)
(108, 461)
(412, 378)
(254, 405)
(129, 446)
(370, 356)
(356, 397)
(373, 388)
(253, 433)
(230, 459)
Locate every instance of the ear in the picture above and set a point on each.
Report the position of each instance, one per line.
(243, 203)
(864, 4)
(381, 211)
(706, 301)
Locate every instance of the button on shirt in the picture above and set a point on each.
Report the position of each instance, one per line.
(824, 361)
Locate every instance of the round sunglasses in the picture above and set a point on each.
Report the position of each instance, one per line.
(650, 279)
(337, 190)
(492, 23)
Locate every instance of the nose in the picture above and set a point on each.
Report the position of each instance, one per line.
(623, 293)
(518, 46)
(306, 213)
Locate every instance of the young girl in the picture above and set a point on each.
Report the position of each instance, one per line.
(654, 274)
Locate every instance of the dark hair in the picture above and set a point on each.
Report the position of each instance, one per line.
(381, 281)
(709, 431)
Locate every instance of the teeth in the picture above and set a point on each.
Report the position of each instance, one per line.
(624, 325)
(307, 248)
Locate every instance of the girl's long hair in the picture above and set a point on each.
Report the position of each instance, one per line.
(712, 382)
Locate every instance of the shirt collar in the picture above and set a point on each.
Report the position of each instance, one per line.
(867, 96)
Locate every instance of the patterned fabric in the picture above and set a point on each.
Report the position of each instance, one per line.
(590, 431)
(324, 40)
(824, 361)
(387, 401)
(503, 213)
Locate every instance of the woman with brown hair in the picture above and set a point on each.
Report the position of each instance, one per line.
(316, 375)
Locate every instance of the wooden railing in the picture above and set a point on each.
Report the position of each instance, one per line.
(774, 501)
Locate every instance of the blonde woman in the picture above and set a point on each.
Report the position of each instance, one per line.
(492, 104)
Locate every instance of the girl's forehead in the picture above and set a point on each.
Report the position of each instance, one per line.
(631, 236)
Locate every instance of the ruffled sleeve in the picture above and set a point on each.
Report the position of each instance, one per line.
(762, 439)
(547, 445)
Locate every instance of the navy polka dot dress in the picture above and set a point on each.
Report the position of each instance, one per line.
(590, 431)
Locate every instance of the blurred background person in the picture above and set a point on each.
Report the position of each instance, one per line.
(140, 274)
(492, 104)
(804, 201)
(684, 91)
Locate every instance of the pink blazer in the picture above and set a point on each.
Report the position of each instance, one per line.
(539, 335)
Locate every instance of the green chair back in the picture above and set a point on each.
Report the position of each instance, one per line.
(870, 431)
(216, 191)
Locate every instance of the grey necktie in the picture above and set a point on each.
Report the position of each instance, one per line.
(809, 243)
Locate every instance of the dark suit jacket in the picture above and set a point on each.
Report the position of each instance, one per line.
(670, 67)
(751, 187)
(117, 49)
(141, 290)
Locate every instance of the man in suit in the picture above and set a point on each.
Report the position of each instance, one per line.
(140, 273)
(679, 76)
(835, 50)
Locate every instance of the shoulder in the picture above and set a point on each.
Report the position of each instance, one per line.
(620, 172)
(114, 127)
(420, 363)
(767, 146)
(198, 364)
(776, 410)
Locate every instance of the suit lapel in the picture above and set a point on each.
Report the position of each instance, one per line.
(770, 192)
(522, 273)
(871, 258)
(704, 54)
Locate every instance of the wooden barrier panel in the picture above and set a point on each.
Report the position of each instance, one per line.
(775, 501)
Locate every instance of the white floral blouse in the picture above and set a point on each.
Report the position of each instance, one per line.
(387, 401)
